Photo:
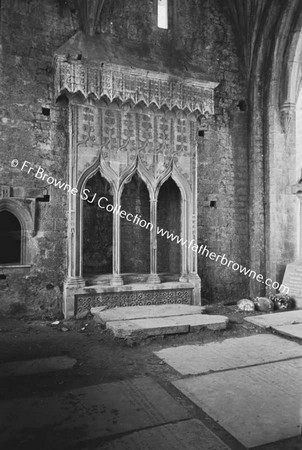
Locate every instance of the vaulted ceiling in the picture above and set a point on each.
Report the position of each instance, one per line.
(260, 25)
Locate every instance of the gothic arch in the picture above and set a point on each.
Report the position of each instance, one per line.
(173, 172)
(107, 173)
(282, 73)
(101, 166)
(289, 44)
(139, 168)
(26, 222)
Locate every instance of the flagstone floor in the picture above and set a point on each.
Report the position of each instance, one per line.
(73, 386)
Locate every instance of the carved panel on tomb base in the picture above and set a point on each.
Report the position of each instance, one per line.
(132, 298)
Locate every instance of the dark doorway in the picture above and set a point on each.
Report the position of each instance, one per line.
(135, 234)
(169, 218)
(97, 227)
(10, 238)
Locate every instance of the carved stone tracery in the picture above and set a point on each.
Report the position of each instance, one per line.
(135, 85)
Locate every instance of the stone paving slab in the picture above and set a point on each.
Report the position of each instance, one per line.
(276, 319)
(86, 413)
(290, 330)
(186, 435)
(229, 354)
(166, 325)
(146, 312)
(257, 405)
(35, 366)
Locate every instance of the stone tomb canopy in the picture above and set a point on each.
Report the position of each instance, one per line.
(100, 66)
(136, 145)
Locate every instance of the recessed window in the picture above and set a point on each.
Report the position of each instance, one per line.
(46, 111)
(10, 238)
(242, 105)
(162, 14)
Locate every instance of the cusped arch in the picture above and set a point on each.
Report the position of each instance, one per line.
(137, 167)
(181, 182)
(98, 166)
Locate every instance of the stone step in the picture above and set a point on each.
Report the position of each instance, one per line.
(288, 323)
(145, 312)
(276, 319)
(294, 331)
(142, 328)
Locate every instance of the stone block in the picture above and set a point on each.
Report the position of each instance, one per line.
(294, 331)
(144, 312)
(140, 328)
(276, 319)
(257, 405)
(229, 354)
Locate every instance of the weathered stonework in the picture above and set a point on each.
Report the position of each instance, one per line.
(120, 141)
(158, 116)
(136, 85)
(132, 298)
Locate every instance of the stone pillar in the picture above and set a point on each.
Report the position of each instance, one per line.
(116, 243)
(300, 231)
(297, 190)
(153, 277)
(184, 251)
(74, 281)
(193, 276)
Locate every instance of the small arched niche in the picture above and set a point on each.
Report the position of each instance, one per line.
(97, 227)
(169, 219)
(10, 238)
(135, 233)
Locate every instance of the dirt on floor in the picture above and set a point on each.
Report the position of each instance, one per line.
(101, 358)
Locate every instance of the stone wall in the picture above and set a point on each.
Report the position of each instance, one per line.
(202, 37)
(34, 128)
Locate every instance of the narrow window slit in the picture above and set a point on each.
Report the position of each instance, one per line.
(162, 14)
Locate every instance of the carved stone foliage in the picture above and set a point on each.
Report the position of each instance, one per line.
(135, 85)
(135, 298)
(124, 134)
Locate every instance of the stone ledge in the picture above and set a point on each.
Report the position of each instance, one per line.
(142, 328)
(145, 312)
